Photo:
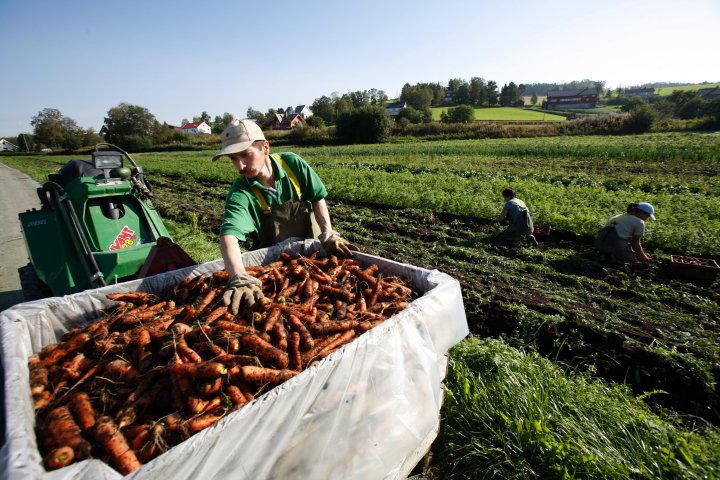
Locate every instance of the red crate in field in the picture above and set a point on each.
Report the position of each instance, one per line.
(695, 267)
(541, 230)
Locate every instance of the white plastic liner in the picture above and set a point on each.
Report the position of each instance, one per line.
(368, 411)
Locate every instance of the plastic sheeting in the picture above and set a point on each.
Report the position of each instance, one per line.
(368, 411)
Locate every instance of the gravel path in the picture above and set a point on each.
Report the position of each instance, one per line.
(17, 194)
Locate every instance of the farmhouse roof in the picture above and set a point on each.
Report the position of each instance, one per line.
(572, 93)
(399, 104)
(192, 125)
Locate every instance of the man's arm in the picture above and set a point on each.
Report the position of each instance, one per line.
(232, 255)
(322, 215)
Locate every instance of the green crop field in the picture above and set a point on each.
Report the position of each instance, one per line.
(573, 369)
(506, 114)
(685, 88)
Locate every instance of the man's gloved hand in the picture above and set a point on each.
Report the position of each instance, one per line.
(334, 244)
(643, 257)
(242, 288)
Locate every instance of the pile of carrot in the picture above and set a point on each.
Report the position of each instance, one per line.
(160, 367)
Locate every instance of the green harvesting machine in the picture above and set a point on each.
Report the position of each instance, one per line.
(96, 226)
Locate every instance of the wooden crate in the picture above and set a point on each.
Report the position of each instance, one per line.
(541, 230)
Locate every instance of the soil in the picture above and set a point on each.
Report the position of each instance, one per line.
(555, 297)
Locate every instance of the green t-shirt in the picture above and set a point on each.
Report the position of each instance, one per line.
(243, 213)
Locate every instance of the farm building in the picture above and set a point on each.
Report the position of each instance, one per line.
(393, 109)
(709, 94)
(639, 92)
(301, 110)
(6, 146)
(273, 123)
(291, 121)
(195, 128)
(567, 99)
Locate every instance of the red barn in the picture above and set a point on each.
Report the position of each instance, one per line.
(568, 99)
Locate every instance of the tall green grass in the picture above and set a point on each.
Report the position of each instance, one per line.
(512, 415)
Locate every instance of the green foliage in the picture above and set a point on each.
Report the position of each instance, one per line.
(517, 416)
(53, 129)
(133, 127)
(369, 124)
(640, 120)
(460, 114)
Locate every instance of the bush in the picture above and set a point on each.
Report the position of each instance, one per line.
(368, 124)
(640, 120)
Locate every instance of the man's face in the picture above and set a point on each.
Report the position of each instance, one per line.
(250, 161)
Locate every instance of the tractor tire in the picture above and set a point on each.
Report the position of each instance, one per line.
(32, 287)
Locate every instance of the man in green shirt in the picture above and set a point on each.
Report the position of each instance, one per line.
(276, 197)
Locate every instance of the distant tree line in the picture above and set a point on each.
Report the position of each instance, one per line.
(356, 117)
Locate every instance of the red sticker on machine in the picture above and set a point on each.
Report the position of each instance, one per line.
(126, 238)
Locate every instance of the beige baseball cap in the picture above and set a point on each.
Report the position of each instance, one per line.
(239, 135)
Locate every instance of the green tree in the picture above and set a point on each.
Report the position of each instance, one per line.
(368, 124)
(26, 142)
(256, 115)
(204, 117)
(418, 97)
(131, 127)
(641, 120)
(534, 98)
(53, 129)
(693, 108)
(324, 108)
(219, 124)
(411, 114)
(459, 114)
(478, 94)
(712, 109)
(492, 92)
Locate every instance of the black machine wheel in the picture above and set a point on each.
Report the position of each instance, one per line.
(32, 287)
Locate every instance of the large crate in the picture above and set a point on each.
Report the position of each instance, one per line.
(694, 267)
(370, 410)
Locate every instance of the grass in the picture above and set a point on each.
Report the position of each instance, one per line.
(664, 91)
(515, 415)
(506, 114)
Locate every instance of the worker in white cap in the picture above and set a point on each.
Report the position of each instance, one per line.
(620, 239)
(276, 197)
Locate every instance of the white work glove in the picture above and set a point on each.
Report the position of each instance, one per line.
(334, 244)
(242, 289)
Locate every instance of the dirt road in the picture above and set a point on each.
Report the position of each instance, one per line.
(17, 194)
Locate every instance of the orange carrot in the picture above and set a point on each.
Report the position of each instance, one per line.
(114, 443)
(184, 350)
(335, 344)
(136, 297)
(52, 354)
(295, 358)
(38, 380)
(326, 328)
(337, 292)
(265, 376)
(206, 369)
(202, 422)
(236, 396)
(297, 326)
(206, 301)
(280, 334)
(265, 351)
(272, 317)
(215, 314)
(83, 410)
(209, 387)
(59, 457)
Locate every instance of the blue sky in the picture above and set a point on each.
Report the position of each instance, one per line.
(180, 58)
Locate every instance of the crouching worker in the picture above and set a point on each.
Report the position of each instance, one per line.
(518, 215)
(620, 239)
(275, 197)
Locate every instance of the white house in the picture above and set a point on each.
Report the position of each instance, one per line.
(196, 127)
(301, 110)
(393, 109)
(6, 146)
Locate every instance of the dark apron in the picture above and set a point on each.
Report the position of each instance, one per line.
(290, 219)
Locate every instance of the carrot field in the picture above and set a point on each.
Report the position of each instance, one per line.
(573, 369)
